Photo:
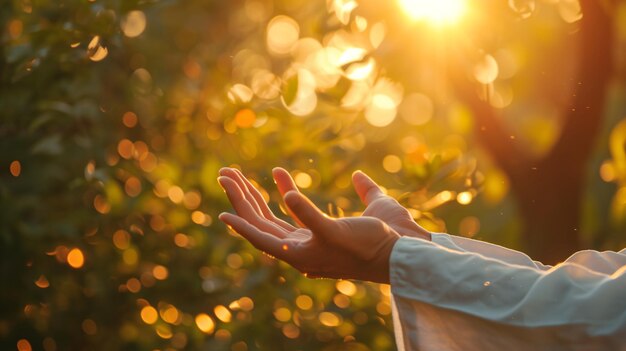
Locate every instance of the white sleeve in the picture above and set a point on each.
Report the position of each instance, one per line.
(448, 299)
(486, 249)
(606, 262)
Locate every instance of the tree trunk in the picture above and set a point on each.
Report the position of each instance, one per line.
(549, 202)
(549, 190)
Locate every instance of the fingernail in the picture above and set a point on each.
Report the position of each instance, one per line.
(277, 169)
(274, 170)
(220, 181)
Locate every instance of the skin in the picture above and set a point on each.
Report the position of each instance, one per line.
(319, 246)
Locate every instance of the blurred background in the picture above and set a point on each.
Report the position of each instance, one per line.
(497, 120)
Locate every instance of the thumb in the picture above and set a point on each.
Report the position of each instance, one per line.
(307, 213)
(366, 188)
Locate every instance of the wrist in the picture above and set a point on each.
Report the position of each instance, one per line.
(383, 264)
(414, 230)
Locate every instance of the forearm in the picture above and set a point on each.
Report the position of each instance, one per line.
(486, 249)
(606, 262)
(491, 289)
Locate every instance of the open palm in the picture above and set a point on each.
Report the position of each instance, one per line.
(250, 205)
(351, 247)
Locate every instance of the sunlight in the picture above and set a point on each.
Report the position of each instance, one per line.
(440, 12)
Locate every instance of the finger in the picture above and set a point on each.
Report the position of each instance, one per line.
(308, 213)
(284, 181)
(366, 188)
(254, 192)
(263, 241)
(265, 210)
(245, 210)
(285, 184)
(253, 196)
(231, 173)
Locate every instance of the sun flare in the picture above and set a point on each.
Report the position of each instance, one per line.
(439, 12)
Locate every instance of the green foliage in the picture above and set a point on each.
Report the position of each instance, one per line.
(111, 137)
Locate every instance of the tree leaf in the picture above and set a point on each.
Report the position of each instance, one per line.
(48, 146)
(291, 90)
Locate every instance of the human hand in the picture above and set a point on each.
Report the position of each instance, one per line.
(386, 208)
(349, 248)
(379, 205)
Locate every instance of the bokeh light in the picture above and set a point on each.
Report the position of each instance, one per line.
(75, 258)
(222, 313)
(109, 172)
(42, 282)
(149, 315)
(486, 70)
(304, 302)
(205, 323)
(464, 197)
(24, 345)
(329, 319)
(160, 272)
(437, 12)
(129, 119)
(392, 163)
(15, 168)
(303, 180)
(282, 34)
(95, 50)
(133, 24)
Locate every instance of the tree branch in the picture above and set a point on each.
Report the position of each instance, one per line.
(489, 130)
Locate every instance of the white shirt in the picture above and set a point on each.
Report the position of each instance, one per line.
(460, 294)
